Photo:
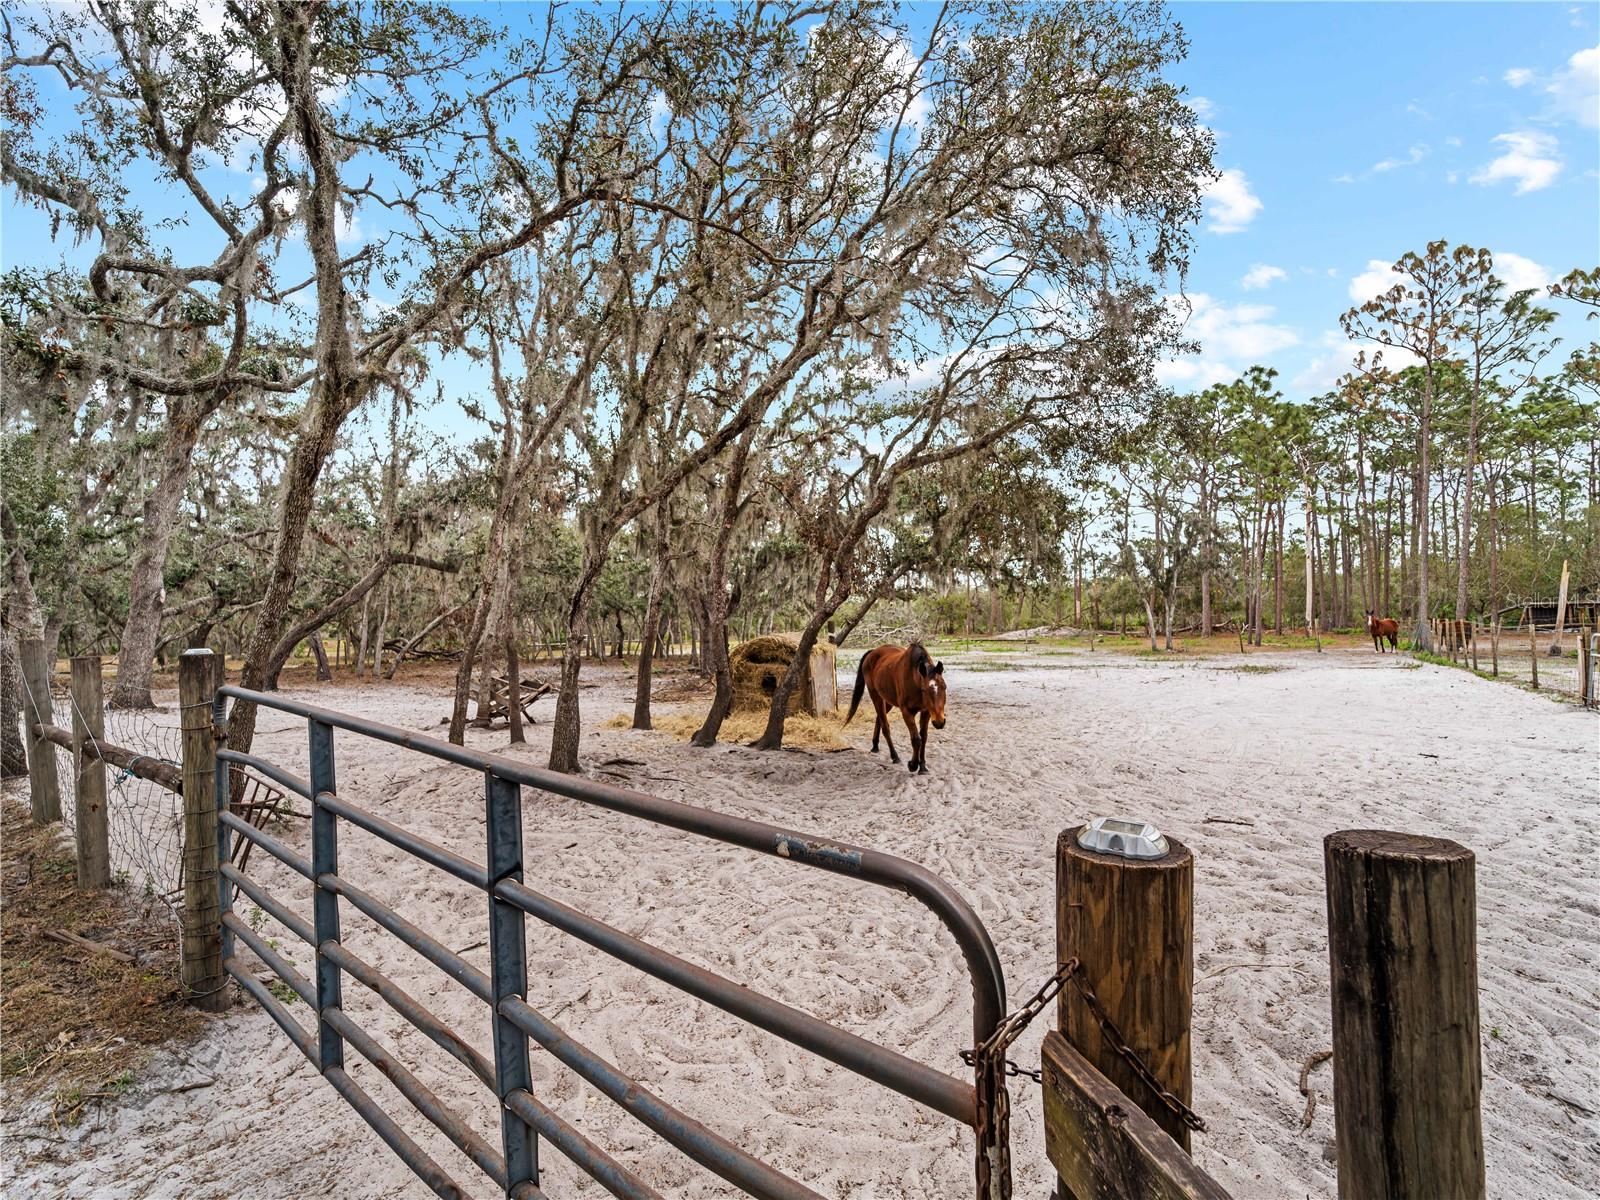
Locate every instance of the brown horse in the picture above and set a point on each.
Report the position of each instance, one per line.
(907, 678)
(1383, 628)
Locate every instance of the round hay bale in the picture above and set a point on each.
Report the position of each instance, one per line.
(758, 665)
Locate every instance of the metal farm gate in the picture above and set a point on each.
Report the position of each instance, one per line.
(980, 1104)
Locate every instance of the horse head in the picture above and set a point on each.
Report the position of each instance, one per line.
(930, 675)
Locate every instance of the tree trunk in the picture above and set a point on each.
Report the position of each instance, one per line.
(652, 621)
(319, 653)
(715, 602)
(13, 758)
(1424, 632)
(1467, 480)
(136, 648)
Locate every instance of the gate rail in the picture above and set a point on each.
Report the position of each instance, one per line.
(981, 1105)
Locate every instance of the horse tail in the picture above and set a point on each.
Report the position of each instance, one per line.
(861, 686)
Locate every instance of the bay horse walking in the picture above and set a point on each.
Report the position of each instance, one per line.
(907, 678)
(1381, 629)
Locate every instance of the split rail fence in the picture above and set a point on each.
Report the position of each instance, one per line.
(1116, 1073)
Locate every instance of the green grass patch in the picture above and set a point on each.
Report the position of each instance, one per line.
(1254, 669)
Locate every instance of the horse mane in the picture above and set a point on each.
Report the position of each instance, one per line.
(921, 662)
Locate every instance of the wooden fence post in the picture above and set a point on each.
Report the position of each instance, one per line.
(1130, 923)
(1474, 634)
(89, 791)
(203, 979)
(44, 787)
(1402, 946)
(1533, 652)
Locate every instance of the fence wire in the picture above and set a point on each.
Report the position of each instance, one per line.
(144, 821)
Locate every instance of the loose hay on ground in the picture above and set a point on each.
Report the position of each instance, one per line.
(799, 730)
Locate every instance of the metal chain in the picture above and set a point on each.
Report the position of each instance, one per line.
(1011, 1028)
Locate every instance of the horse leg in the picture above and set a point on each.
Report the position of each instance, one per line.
(877, 723)
(922, 745)
(883, 717)
(916, 743)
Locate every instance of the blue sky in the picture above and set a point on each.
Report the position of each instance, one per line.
(1347, 133)
(1355, 132)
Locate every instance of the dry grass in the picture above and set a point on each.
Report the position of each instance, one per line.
(77, 1021)
(799, 730)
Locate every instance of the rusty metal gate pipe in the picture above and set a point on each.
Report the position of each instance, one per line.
(448, 961)
(429, 852)
(407, 1006)
(284, 779)
(269, 904)
(940, 1092)
(267, 842)
(583, 1153)
(258, 992)
(430, 1172)
(709, 1149)
(886, 870)
(446, 1119)
(297, 982)
(410, 1153)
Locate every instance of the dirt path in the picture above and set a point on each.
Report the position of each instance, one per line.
(1035, 744)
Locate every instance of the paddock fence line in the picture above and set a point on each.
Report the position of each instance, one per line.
(1544, 657)
(114, 778)
(980, 1104)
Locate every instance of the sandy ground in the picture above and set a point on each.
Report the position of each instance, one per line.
(1035, 744)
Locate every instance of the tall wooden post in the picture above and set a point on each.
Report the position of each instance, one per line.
(1561, 613)
(44, 787)
(1130, 923)
(89, 793)
(1533, 651)
(1402, 945)
(203, 979)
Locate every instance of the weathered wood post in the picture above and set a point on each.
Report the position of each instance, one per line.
(1130, 923)
(44, 787)
(1402, 946)
(203, 979)
(1494, 646)
(1473, 630)
(1533, 652)
(89, 790)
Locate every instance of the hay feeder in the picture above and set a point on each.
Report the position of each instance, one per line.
(759, 664)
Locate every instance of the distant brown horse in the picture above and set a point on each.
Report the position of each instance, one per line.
(907, 678)
(1381, 628)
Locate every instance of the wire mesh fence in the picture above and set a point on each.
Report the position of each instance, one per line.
(1533, 655)
(144, 820)
(144, 815)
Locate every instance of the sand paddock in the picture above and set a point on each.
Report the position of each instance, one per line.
(1035, 744)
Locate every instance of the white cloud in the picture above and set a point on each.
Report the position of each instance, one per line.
(1520, 273)
(1531, 159)
(1230, 203)
(1261, 275)
(1378, 278)
(1203, 108)
(1416, 155)
(903, 63)
(1232, 338)
(1575, 92)
(1452, 141)
(1345, 178)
